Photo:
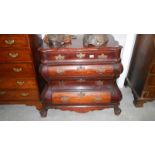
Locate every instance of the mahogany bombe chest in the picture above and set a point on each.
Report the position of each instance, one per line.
(81, 78)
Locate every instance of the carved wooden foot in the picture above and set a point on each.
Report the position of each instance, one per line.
(117, 110)
(43, 112)
(138, 103)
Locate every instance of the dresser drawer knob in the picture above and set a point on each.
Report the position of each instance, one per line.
(10, 41)
(64, 98)
(13, 55)
(24, 94)
(80, 55)
(102, 56)
(59, 57)
(2, 92)
(17, 69)
(20, 83)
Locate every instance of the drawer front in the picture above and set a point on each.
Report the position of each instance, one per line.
(15, 56)
(16, 70)
(18, 83)
(15, 95)
(80, 56)
(94, 97)
(60, 72)
(14, 41)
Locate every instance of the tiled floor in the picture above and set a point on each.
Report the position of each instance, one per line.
(129, 112)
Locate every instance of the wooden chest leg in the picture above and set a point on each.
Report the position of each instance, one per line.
(117, 110)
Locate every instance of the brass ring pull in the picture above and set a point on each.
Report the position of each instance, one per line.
(24, 94)
(13, 55)
(101, 70)
(64, 98)
(59, 57)
(80, 55)
(102, 56)
(20, 83)
(17, 69)
(2, 92)
(10, 41)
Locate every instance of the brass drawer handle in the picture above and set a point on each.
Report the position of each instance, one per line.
(20, 83)
(2, 92)
(102, 56)
(100, 70)
(60, 71)
(81, 94)
(13, 55)
(10, 41)
(80, 55)
(64, 98)
(24, 94)
(17, 69)
(80, 68)
(97, 99)
(59, 57)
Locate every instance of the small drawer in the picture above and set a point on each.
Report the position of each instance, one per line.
(16, 70)
(15, 95)
(81, 97)
(18, 83)
(14, 41)
(15, 55)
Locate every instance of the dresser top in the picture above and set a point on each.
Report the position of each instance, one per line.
(78, 44)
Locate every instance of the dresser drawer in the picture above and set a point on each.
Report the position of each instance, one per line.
(59, 72)
(14, 41)
(18, 83)
(15, 95)
(78, 56)
(16, 70)
(15, 55)
(81, 97)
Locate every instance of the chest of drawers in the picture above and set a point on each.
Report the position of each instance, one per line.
(18, 69)
(141, 75)
(81, 78)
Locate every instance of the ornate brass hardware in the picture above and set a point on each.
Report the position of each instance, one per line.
(59, 57)
(101, 70)
(10, 41)
(80, 55)
(81, 80)
(13, 55)
(17, 69)
(80, 68)
(102, 56)
(81, 94)
(64, 98)
(24, 94)
(2, 92)
(60, 71)
(20, 83)
(97, 99)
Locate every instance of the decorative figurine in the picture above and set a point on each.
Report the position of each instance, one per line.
(95, 39)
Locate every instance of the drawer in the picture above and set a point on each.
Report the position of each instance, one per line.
(16, 70)
(60, 72)
(18, 83)
(153, 68)
(15, 55)
(81, 97)
(77, 56)
(15, 95)
(151, 80)
(14, 41)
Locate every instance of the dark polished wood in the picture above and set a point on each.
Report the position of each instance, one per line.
(141, 77)
(18, 69)
(81, 78)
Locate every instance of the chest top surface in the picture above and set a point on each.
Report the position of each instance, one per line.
(77, 44)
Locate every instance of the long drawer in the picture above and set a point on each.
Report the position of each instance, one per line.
(18, 83)
(14, 41)
(15, 95)
(15, 55)
(60, 72)
(16, 70)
